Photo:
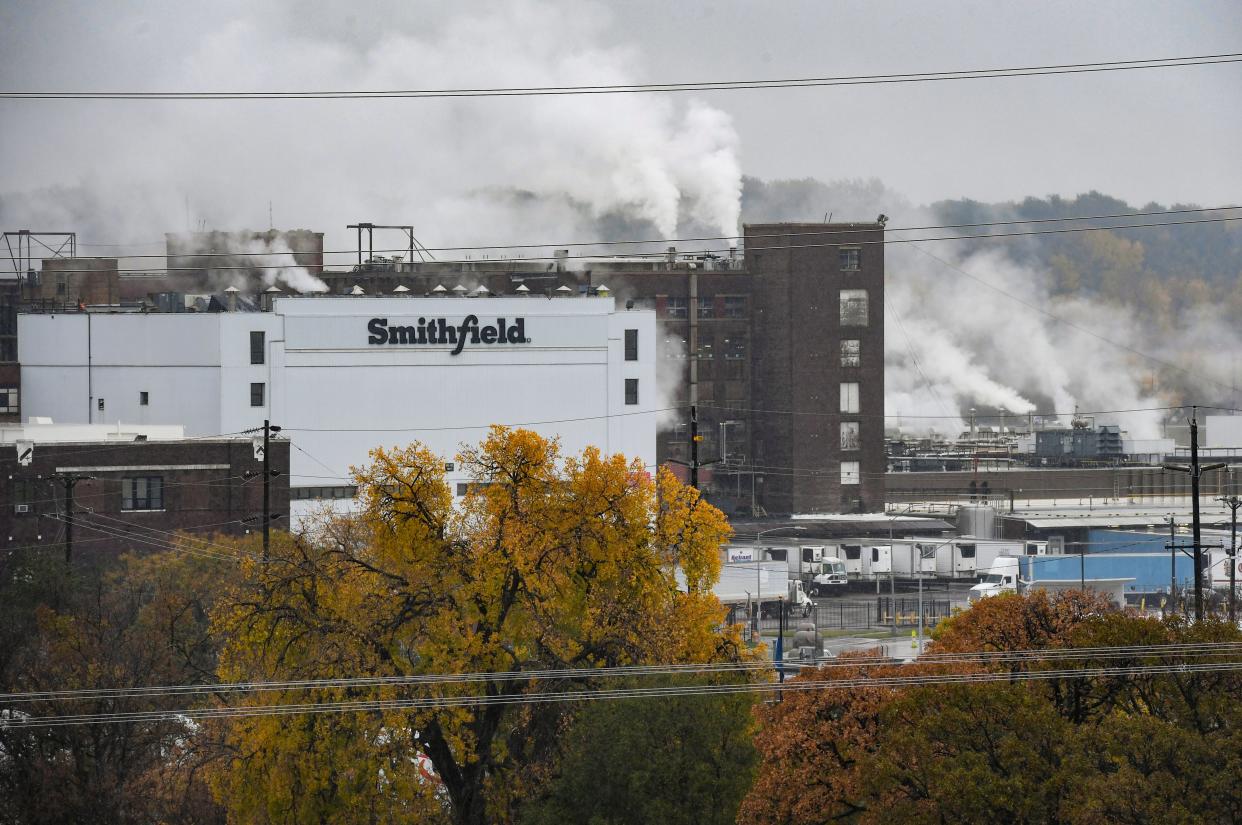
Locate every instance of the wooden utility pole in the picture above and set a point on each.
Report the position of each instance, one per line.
(70, 480)
(1234, 502)
(1195, 470)
(268, 429)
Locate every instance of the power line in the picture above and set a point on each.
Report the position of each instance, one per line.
(721, 251)
(648, 241)
(1211, 649)
(696, 86)
(437, 702)
(159, 544)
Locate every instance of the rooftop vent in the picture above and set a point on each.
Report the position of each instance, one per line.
(563, 290)
(269, 296)
(482, 290)
(439, 290)
(230, 298)
(522, 289)
(602, 290)
(400, 288)
(459, 290)
(357, 290)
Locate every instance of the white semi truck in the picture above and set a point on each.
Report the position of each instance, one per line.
(768, 584)
(818, 566)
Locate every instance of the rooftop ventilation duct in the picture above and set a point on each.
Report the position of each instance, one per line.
(522, 289)
(459, 290)
(230, 298)
(269, 297)
(563, 290)
(439, 290)
(401, 288)
(482, 291)
(357, 290)
(602, 290)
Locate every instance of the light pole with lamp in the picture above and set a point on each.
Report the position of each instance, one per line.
(919, 573)
(759, 569)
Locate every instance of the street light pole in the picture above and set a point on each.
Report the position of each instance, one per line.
(1234, 502)
(759, 570)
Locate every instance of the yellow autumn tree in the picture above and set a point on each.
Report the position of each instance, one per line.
(548, 563)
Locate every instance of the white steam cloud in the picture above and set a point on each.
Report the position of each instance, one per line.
(659, 159)
(533, 170)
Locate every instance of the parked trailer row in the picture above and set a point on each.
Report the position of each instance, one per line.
(827, 568)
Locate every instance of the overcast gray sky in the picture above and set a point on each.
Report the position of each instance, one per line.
(1168, 135)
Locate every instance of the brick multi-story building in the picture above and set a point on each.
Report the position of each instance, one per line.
(132, 494)
(780, 351)
(10, 370)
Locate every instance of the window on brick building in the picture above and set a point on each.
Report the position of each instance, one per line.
(9, 401)
(853, 307)
(677, 307)
(851, 353)
(850, 258)
(849, 435)
(735, 306)
(851, 472)
(849, 397)
(25, 496)
(142, 493)
(707, 306)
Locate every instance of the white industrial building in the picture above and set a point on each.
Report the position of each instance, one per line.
(344, 374)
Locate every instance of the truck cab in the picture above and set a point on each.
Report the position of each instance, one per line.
(830, 577)
(1001, 577)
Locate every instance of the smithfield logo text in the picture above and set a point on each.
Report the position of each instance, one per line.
(439, 331)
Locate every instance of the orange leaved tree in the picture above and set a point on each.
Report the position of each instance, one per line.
(548, 562)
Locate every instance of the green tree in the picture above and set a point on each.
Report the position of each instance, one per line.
(669, 760)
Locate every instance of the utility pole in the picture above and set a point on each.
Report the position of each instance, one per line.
(1234, 502)
(262, 452)
(1082, 567)
(70, 481)
(695, 438)
(268, 429)
(1173, 564)
(1195, 471)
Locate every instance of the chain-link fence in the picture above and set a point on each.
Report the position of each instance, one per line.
(860, 614)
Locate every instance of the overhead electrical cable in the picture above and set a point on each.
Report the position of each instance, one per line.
(990, 657)
(648, 241)
(637, 88)
(22, 720)
(657, 255)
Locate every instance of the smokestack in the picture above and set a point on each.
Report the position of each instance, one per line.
(561, 256)
(671, 256)
(230, 298)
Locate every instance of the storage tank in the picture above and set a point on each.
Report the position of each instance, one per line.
(978, 520)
